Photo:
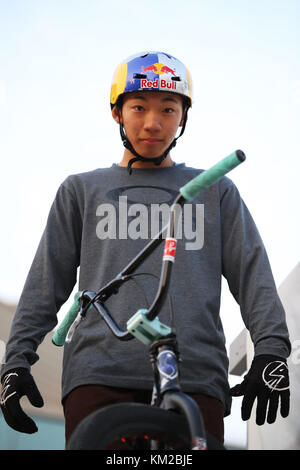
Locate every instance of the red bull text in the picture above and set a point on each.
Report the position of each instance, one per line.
(155, 84)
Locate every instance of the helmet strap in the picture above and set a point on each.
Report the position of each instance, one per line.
(137, 157)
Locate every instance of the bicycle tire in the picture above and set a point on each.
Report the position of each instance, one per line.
(132, 426)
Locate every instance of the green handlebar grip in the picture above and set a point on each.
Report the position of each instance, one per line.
(60, 334)
(212, 175)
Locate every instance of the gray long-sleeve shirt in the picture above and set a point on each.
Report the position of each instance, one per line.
(99, 221)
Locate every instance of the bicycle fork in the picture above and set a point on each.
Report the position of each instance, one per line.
(167, 393)
(181, 401)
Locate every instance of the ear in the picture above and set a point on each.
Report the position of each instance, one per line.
(184, 115)
(116, 114)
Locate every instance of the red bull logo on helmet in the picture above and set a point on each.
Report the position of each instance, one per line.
(158, 68)
(155, 84)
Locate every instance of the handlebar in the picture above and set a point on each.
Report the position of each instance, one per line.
(212, 175)
(187, 193)
(75, 314)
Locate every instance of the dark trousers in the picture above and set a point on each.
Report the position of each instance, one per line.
(85, 399)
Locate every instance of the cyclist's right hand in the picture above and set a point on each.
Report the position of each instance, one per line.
(15, 384)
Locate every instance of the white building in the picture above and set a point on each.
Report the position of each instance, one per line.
(284, 434)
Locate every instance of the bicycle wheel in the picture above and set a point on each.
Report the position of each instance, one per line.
(132, 426)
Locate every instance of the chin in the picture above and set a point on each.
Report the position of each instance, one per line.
(151, 153)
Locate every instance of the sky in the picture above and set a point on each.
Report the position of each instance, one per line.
(57, 58)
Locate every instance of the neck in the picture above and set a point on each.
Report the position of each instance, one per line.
(127, 156)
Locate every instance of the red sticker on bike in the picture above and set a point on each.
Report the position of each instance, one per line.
(170, 249)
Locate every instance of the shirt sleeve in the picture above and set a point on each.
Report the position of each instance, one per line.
(50, 281)
(246, 267)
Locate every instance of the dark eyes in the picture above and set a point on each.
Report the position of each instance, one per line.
(141, 108)
(138, 108)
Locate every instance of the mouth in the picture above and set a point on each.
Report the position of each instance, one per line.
(151, 141)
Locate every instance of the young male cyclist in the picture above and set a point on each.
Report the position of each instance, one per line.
(99, 221)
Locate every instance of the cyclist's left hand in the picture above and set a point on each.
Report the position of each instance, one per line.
(268, 381)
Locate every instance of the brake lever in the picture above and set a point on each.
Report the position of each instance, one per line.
(73, 327)
(111, 288)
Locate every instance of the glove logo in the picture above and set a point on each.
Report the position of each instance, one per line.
(4, 394)
(275, 376)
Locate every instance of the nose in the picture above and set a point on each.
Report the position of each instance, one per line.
(152, 122)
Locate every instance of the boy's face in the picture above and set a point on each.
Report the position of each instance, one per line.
(151, 120)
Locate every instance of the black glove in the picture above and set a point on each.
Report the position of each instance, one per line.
(15, 384)
(268, 381)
